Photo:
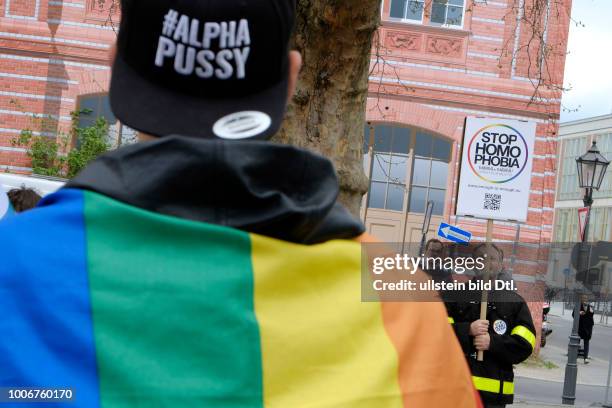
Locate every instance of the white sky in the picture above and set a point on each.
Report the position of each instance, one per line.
(588, 68)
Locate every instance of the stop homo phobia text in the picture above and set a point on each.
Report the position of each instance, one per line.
(498, 149)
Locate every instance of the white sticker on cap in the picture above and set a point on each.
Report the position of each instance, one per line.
(242, 125)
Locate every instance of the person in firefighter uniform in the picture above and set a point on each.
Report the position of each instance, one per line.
(506, 337)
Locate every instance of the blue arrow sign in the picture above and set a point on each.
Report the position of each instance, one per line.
(566, 272)
(454, 234)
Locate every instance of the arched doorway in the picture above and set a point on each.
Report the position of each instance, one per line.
(407, 167)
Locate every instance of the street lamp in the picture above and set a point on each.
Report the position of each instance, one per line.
(591, 170)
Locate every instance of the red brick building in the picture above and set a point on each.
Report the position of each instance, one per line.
(53, 60)
(437, 63)
(434, 62)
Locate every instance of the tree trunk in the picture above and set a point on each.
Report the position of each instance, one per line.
(327, 113)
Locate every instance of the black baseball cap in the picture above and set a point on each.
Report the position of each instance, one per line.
(203, 68)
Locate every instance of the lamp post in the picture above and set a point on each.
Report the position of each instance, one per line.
(591, 170)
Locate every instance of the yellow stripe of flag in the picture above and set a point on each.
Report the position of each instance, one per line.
(321, 346)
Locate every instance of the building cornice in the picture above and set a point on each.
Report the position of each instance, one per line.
(423, 28)
(587, 120)
(465, 105)
(48, 49)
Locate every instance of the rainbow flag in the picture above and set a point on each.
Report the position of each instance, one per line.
(133, 308)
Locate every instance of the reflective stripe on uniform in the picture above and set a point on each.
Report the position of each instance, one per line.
(486, 384)
(525, 333)
(451, 320)
(492, 385)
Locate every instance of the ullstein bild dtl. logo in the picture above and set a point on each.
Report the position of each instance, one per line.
(497, 153)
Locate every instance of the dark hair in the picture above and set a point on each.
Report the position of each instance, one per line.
(433, 241)
(484, 244)
(23, 198)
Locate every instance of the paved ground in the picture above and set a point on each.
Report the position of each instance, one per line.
(602, 334)
(545, 385)
(530, 391)
(555, 352)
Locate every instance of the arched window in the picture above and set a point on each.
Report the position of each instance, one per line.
(409, 168)
(94, 106)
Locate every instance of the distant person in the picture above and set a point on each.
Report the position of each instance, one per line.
(23, 198)
(507, 335)
(436, 252)
(585, 325)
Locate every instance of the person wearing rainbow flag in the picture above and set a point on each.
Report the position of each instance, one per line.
(206, 266)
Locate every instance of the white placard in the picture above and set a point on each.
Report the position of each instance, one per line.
(496, 169)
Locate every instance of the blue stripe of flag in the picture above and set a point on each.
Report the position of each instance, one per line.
(45, 309)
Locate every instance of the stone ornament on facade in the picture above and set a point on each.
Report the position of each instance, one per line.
(449, 47)
(100, 9)
(403, 41)
(99, 5)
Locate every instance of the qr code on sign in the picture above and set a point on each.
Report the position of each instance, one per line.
(492, 201)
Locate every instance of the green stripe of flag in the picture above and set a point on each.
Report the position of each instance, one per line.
(173, 314)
